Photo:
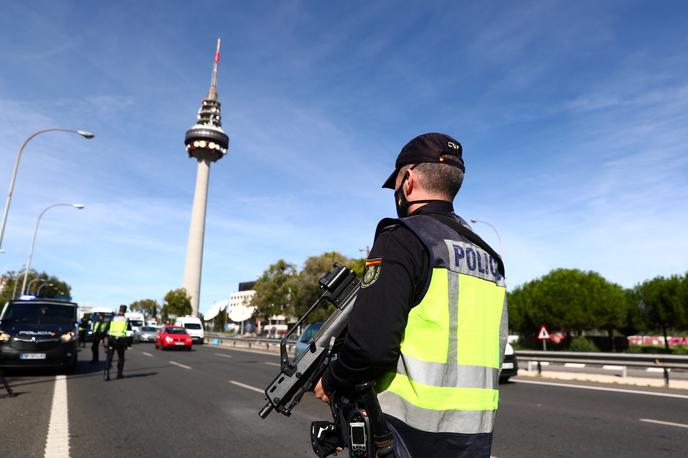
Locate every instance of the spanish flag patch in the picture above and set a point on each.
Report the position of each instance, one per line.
(373, 267)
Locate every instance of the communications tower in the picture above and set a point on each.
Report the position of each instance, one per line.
(206, 142)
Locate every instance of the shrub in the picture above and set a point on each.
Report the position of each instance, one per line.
(581, 344)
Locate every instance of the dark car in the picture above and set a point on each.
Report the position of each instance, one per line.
(39, 333)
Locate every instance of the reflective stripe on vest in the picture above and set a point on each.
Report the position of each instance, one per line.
(118, 328)
(448, 371)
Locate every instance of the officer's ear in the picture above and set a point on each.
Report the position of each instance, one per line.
(410, 183)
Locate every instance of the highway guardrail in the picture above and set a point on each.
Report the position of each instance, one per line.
(258, 343)
(620, 360)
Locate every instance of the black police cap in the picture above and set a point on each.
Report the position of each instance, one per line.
(432, 147)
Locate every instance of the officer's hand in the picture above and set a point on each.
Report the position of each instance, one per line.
(320, 392)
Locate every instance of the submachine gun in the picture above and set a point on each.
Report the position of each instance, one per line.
(357, 419)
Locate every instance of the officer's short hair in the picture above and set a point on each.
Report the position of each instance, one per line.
(436, 178)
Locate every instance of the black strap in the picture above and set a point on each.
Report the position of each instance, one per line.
(472, 237)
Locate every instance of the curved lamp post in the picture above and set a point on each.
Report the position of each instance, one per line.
(35, 233)
(28, 288)
(6, 210)
(38, 293)
(499, 239)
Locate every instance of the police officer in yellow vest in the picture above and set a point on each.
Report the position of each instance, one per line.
(97, 335)
(117, 340)
(430, 322)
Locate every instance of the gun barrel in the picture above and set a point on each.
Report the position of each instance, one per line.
(265, 411)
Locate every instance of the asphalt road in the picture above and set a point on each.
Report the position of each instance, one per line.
(204, 403)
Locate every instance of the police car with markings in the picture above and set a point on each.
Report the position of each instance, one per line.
(39, 333)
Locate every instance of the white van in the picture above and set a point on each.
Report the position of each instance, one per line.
(193, 326)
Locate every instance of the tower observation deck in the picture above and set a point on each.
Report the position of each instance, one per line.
(207, 143)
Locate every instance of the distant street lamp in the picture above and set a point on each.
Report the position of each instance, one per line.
(499, 239)
(35, 233)
(6, 210)
(28, 289)
(38, 293)
(16, 282)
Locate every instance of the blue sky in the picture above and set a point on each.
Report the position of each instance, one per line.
(573, 117)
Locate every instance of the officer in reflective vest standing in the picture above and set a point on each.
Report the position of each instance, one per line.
(117, 340)
(98, 332)
(83, 327)
(429, 325)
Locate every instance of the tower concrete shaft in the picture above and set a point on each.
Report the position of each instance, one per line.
(206, 142)
(194, 251)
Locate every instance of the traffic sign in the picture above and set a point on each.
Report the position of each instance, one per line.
(543, 335)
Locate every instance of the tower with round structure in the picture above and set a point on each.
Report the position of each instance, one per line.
(206, 142)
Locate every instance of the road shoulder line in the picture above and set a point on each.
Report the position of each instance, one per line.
(57, 442)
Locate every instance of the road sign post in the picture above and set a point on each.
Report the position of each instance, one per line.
(544, 337)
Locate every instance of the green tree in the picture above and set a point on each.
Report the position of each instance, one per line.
(307, 289)
(177, 303)
(49, 286)
(568, 300)
(149, 307)
(274, 289)
(663, 302)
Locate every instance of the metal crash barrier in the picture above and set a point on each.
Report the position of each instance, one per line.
(611, 361)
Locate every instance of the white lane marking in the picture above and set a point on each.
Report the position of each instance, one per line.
(248, 387)
(273, 364)
(223, 355)
(180, 365)
(147, 354)
(599, 388)
(574, 365)
(57, 442)
(659, 422)
(656, 369)
(613, 368)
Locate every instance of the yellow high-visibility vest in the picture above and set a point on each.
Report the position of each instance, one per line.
(447, 375)
(118, 327)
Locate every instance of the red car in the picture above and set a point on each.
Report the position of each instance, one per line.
(173, 337)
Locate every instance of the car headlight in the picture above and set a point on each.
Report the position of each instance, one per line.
(67, 336)
(169, 339)
(4, 337)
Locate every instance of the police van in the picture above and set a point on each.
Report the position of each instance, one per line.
(39, 333)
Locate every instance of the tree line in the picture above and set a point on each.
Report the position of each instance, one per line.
(284, 290)
(38, 284)
(573, 302)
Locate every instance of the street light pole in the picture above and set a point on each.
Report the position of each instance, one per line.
(499, 239)
(8, 200)
(28, 288)
(35, 233)
(38, 293)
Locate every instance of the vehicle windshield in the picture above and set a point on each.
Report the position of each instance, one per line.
(136, 323)
(39, 314)
(192, 326)
(310, 332)
(148, 329)
(175, 330)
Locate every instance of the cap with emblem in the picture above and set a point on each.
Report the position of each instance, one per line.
(432, 147)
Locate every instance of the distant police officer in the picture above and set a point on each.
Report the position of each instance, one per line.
(84, 324)
(430, 320)
(117, 339)
(98, 333)
(10, 393)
